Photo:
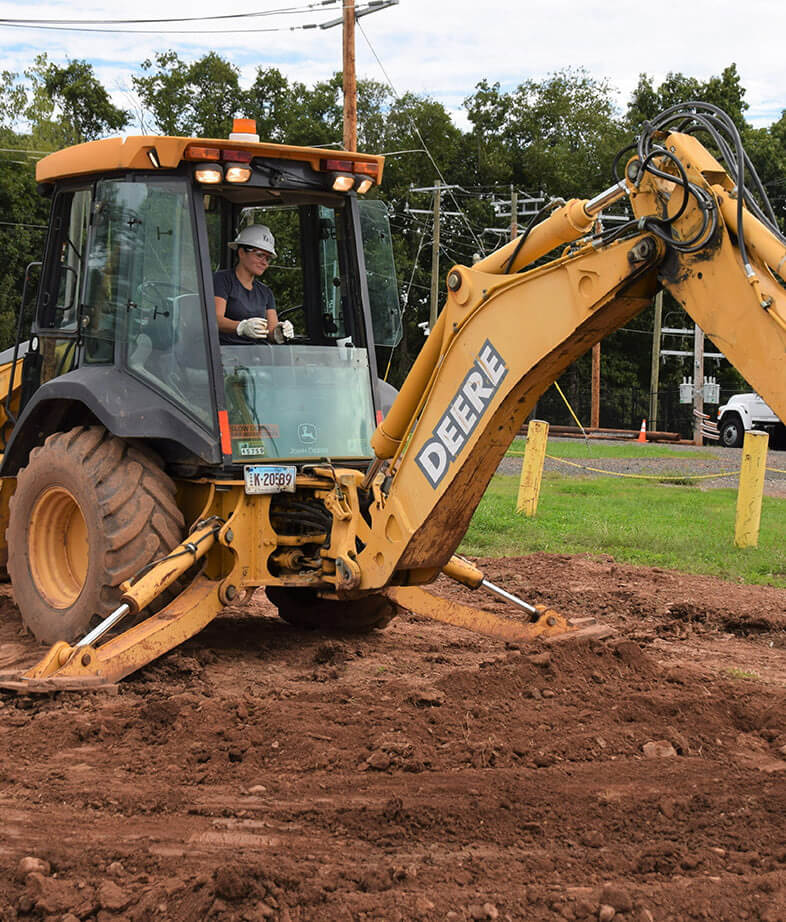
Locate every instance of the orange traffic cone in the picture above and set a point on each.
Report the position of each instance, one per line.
(642, 432)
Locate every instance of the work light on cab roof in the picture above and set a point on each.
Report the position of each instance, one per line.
(215, 165)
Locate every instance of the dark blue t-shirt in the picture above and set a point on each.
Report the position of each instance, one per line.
(241, 303)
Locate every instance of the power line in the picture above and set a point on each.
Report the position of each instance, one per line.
(281, 11)
(13, 25)
(90, 25)
(414, 268)
(417, 132)
(24, 150)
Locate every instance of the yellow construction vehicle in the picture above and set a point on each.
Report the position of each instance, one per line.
(147, 464)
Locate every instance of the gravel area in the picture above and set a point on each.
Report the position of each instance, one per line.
(685, 461)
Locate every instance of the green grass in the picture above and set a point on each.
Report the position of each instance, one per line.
(737, 673)
(634, 521)
(578, 448)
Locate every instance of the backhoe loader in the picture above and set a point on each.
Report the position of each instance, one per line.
(152, 475)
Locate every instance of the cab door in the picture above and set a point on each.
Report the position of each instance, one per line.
(143, 308)
(62, 282)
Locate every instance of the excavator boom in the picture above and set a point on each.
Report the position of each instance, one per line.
(510, 326)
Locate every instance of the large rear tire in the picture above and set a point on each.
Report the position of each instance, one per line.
(303, 608)
(89, 512)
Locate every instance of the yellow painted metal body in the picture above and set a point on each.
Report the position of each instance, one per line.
(181, 619)
(464, 572)
(8, 484)
(532, 467)
(6, 371)
(542, 319)
(502, 338)
(538, 322)
(565, 225)
(712, 284)
(751, 488)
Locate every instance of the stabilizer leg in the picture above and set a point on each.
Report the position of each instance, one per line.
(550, 625)
(66, 667)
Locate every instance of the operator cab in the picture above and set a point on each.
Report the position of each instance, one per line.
(139, 226)
(312, 396)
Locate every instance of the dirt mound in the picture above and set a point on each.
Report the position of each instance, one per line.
(262, 772)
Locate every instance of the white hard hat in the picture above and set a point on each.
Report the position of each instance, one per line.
(256, 235)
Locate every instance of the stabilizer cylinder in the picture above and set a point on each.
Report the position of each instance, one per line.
(139, 593)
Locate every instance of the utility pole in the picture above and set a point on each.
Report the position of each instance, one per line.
(698, 385)
(435, 259)
(349, 16)
(436, 213)
(350, 82)
(655, 365)
(595, 381)
(595, 409)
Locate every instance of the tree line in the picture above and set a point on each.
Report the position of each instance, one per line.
(554, 137)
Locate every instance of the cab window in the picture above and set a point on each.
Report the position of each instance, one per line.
(311, 397)
(143, 307)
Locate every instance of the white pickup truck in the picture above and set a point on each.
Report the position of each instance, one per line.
(748, 411)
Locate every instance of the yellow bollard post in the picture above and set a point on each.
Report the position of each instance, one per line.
(532, 468)
(751, 488)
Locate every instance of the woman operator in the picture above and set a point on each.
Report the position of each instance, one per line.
(245, 307)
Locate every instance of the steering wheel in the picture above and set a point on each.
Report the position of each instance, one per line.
(159, 288)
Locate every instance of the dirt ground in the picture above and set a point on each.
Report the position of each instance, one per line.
(420, 773)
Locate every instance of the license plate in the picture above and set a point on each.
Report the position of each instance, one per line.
(269, 478)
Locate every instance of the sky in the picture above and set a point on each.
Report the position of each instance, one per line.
(434, 47)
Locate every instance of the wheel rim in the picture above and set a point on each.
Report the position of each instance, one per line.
(58, 547)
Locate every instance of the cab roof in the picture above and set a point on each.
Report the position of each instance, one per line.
(142, 152)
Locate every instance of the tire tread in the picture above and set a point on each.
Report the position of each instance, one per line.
(140, 520)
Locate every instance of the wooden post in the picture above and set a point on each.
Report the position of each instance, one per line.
(595, 411)
(532, 468)
(435, 260)
(751, 488)
(655, 365)
(698, 385)
(350, 85)
(514, 213)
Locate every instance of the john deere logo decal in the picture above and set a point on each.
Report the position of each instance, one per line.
(307, 433)
(465, 410)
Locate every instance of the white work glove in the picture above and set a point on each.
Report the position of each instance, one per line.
(253, 328)
(287, 329)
